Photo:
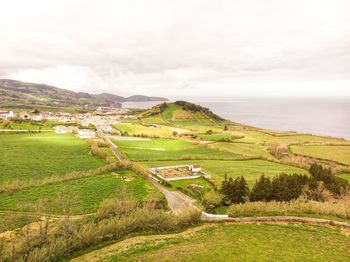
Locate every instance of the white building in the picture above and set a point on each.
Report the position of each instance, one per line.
(37, 117)
(86, 133)
(65, 129)
(6, 114)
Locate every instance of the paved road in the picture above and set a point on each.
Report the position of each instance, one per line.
(112, 146)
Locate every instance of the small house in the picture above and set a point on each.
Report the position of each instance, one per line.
(6, 114)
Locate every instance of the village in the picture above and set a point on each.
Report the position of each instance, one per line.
(84, 125)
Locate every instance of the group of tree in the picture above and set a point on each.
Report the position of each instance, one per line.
(334, 184)
(285, 187)
(197, 108)
(234, 191)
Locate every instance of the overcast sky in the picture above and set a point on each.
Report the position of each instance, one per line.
(179, 48)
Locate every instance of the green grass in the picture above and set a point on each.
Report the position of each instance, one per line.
(252, 135)
(25, 126)
(340, 154)
(134, 129)
(345, 176)
(250, 169)
(39, 155)
(168, 149)
(248, 150)
(216, 136)
(239, 242)
(89, 191)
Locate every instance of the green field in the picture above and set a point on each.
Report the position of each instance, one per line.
(89, 192)
(168, 149)
(233, 242)
(252, 135)
(248, 150)
(39, 155)
(216, 136)
(345, 176)
(340, 154)
(134, 129)
(250, 169)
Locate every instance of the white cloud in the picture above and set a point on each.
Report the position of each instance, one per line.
(173, 48)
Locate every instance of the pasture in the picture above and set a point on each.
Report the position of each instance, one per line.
(340, 154)
(168, 149)
(134, 129)
(248, 150)
(260, 136)
(88, 192)
(250, 169)
(39, 155)
(232, 242)
(345, 176)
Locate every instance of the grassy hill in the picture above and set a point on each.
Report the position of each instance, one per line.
(17, 94)
(180, 112)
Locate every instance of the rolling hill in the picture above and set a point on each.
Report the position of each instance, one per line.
(180, 112)
(17, 94)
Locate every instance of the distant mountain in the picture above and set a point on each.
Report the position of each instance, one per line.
(17, 94)
(139, 98)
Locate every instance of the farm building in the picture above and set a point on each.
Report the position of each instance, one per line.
(86, 133)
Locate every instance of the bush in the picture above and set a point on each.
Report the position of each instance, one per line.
(141, 220)
(300, 206)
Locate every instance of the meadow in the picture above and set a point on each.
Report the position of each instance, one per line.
(135, 129)
(168, 149)
(39, 155)
(250, 169)
(340, 154)
(232, 242)
(88, 193)
(246, 149)
(345, 176)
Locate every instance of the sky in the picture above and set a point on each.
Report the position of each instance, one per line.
(179, 48)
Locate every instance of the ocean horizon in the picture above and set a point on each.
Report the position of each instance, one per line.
(325, 116)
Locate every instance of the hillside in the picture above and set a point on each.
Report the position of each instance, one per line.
(17, 94)
(180, 112)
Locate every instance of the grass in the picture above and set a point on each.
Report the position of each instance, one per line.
(249, 150)
(34, 156)
(134, 129)
(168, 149)
(235, 242)
(216, 136)
(25, 126)
(89, 191)
(340, 154)
(252, 135)
(345, 176)
(250, 169)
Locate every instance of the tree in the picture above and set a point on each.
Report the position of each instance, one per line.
(174, 133)
(262, 190)
(234, 191)
(209, 132)
(225, 128)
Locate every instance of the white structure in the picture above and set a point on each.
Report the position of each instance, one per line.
(195, 168)
(65, 129)
(196, 171)
(86, 133)
(6, 114)
(37, 117)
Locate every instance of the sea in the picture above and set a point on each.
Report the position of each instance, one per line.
(326, 116)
